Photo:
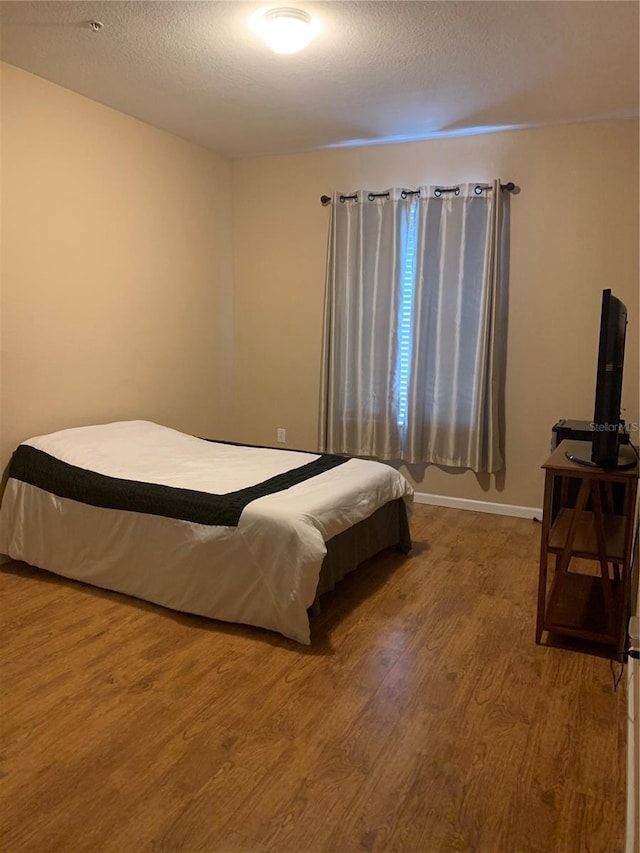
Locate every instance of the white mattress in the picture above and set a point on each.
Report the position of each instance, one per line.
(262, 570)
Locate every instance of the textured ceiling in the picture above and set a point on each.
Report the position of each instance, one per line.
(378, 72)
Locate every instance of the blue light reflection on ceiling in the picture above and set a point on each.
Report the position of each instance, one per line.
(420, 137)
(470, 131)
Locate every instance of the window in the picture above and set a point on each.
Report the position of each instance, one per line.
(405, 328)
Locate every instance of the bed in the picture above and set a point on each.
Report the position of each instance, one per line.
(238, 533)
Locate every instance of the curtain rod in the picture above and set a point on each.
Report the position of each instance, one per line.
(479, 189)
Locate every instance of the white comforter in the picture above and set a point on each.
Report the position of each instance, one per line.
(263, 572)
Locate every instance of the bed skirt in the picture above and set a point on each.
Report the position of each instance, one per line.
(387, 527)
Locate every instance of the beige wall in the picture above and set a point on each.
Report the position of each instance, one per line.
(117, 297)
(574, 231)
(116, 269)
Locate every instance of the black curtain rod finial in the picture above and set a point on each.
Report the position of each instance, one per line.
(325, 199)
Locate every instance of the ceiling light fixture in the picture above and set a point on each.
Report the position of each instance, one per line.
(285, 30)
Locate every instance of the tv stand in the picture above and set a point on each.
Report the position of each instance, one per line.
(575, 597)
(626, 459)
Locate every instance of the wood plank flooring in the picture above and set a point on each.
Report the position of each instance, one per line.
(423, 718)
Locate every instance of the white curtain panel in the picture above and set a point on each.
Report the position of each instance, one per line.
(359, 405)
(414, 327)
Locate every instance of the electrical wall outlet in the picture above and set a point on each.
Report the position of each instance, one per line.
(281, 435)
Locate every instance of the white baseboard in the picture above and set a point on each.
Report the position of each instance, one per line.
(479, 506)
(633, 738)
(633, 757)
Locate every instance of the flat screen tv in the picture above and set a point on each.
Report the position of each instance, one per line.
(606, 450)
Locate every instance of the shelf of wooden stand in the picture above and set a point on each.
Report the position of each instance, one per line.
(576, 607)
(585, 543)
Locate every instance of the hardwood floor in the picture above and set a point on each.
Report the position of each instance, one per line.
(423, 718)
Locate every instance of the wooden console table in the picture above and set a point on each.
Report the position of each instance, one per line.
(588, 601)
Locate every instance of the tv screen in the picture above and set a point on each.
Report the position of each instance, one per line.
(606, 416)
(607, 425)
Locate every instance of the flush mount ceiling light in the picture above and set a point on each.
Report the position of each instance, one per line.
(285, 30)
